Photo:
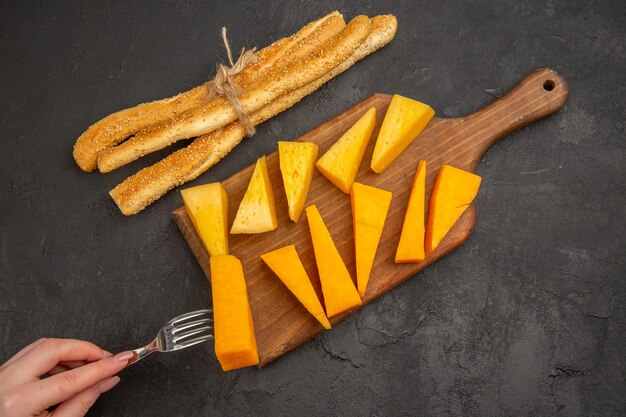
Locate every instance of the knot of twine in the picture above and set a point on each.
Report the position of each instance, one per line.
(224, 83)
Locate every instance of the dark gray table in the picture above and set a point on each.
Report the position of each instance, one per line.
(526, 318)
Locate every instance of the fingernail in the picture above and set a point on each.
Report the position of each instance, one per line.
(123, 357)
(106, 354)
(108, 384)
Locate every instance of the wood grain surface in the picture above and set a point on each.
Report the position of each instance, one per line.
(281, 322)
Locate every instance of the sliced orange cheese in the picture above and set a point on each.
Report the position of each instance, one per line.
(296, 166)
(286, 264)
(404, 121)
(454, 191)
(207, 206)
(369, 211)
(341, 162)
(257, 211)
(340, 295)
(235, 343)
(411, 246)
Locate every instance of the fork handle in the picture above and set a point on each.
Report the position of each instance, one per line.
(139, 354)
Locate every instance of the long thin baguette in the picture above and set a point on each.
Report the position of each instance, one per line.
(151, 183)
(218, 113)
(116, 127)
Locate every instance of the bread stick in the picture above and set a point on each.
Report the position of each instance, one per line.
(218, 113)
(148, 185)
(116, 127)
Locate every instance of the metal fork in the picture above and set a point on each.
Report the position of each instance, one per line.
(179, 333)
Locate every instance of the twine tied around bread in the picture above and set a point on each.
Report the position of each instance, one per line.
(224, 84)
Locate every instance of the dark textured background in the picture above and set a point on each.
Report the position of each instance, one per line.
(527, 318)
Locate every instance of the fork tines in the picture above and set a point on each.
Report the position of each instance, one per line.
(185, 333)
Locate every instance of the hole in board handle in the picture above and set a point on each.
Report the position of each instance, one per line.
(548, 85)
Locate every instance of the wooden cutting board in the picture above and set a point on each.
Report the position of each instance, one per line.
(281, 322)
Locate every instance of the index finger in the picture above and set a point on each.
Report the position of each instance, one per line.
(45, 355)
(21, 352)
(58, 388)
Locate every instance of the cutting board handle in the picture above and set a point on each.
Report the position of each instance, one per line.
(540, 94)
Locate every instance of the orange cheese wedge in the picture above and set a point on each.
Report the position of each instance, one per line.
(369, 211)
(235, 344)
(257, 210)
(411, 246)
(207, 206)
(340, 295)
(341, 162)
(404, 121)
(296, 167)
(286, 264)
(454, 191)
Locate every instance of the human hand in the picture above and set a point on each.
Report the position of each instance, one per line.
(78, 373)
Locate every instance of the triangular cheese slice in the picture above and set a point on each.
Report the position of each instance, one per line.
(207, 206)
(296, 166)
(286, 264)
(369, 211)
(257, 211)
(341, 162)
(454, 191)
(404, 121)
(411, 246)
(340, 295)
